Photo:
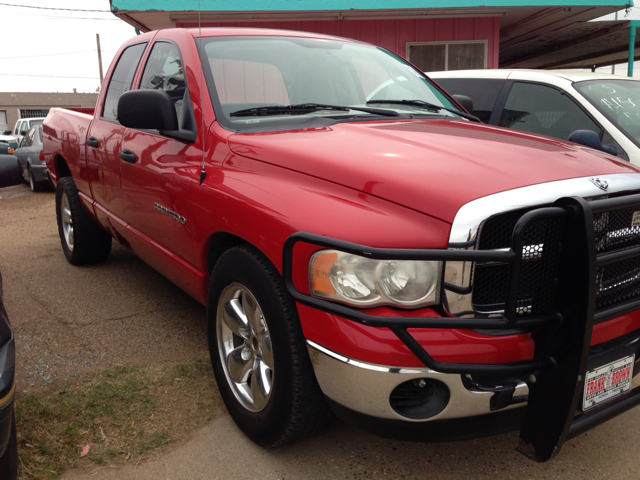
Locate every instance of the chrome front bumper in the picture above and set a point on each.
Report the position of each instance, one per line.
(366, 387)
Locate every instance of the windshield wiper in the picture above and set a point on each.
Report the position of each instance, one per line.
(306, 108)
(427, 105)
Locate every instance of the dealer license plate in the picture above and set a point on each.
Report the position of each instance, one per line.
(607, 382)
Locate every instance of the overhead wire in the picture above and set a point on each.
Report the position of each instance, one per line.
(53, 8)
(50, 55)
(46, 76)
(57, 17)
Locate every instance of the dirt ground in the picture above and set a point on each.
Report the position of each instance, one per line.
(72, 323)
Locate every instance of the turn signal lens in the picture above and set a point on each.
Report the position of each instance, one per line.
(320, 266)
(11, 150)
(41, 157)
(364, 282)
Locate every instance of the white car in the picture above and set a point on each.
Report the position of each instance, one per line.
(23, 125)
(554, 103)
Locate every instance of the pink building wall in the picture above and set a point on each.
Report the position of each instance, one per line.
(394, 34)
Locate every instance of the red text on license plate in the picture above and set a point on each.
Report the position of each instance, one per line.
(608, 381)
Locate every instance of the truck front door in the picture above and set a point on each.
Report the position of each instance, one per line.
(157, 172)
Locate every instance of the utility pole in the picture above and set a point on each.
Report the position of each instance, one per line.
(99, 56)
(613, 67)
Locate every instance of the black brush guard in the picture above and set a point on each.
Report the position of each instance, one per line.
(555, 376)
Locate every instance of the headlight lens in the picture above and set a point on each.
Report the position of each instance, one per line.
(363, 282)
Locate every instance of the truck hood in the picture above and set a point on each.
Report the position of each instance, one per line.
(432, 166)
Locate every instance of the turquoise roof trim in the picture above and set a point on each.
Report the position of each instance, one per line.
(320, 5)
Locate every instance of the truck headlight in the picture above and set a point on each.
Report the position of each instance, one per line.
(364, 282)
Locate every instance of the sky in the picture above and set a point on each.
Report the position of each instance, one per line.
(47, 50)
(44, 50)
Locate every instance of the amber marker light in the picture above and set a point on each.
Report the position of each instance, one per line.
(320, 268)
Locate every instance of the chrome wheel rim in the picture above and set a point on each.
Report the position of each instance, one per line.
(67, 221)
(244, 345)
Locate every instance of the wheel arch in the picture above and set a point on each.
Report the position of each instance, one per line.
(61, 167)
(220, 243)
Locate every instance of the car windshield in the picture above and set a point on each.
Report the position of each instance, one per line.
(35, 122)
(272, 82)
(618, 100)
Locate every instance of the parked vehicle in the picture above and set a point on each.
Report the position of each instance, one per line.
(359, 242)
(8, 140)
(30, 153)
(23, 125)
(554, 103)
(10, 171)
(10, 174)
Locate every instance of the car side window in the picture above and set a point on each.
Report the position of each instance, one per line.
(482, 91)
(17, 128)
(121, 80)
(165, 71)
(544, 110)
(28, 138)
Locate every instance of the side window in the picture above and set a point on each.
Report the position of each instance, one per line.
(544, 110)
(16, 130)
(121, 79)
(28, 138)
(165, 71)
(482, 91)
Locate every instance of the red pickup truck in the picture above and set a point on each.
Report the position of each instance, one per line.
(359, 240)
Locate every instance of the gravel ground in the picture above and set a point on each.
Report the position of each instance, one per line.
(72, 322)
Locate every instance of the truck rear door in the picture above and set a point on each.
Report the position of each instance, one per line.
(104, 142)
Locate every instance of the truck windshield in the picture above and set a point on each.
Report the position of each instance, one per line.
(618, 100)
(268, 82)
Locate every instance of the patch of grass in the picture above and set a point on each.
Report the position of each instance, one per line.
(121, 415)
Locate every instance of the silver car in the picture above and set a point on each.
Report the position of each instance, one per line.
(30, 153)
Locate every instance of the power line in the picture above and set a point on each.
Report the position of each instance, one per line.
(46, 76)
(61, 17)
(53, 8)
(48, 55)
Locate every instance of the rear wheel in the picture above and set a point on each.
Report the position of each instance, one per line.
(35, 186)
(83, 241)
(258, 352)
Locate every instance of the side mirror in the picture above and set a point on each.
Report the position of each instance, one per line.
(10, 171)
(590, 139)
(465, 101)
(7, 132)
(147, 110)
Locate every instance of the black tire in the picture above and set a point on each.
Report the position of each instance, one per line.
(9, 460)
(35, 186)
(83, 241)
(295, 407)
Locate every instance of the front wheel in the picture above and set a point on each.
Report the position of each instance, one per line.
(83, 241)
(258, 352)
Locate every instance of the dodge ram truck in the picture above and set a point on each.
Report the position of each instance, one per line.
(362, 244)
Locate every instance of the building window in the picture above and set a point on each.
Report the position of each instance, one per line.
(34, 113)
(438, 56)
